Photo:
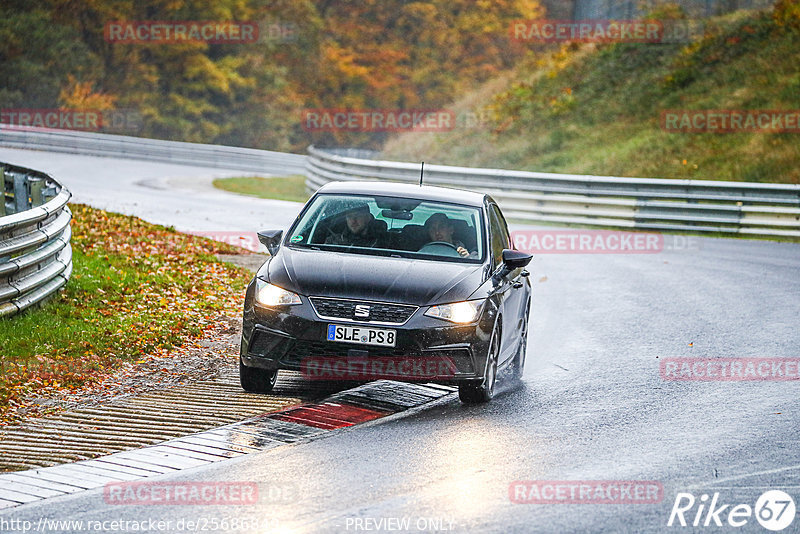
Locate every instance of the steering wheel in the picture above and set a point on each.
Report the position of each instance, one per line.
(440, 248)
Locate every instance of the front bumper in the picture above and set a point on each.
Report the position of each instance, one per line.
(426, 350)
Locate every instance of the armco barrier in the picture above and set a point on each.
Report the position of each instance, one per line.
(646, 203)
(120, 146)
(35, 254)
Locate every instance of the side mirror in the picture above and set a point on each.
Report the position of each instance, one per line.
(512, 260)
(271, 239)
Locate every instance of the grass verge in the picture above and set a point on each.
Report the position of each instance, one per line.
(279, 188)
(136, 289)
(596, 108)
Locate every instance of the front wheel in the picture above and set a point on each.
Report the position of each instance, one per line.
(518, 365)
(484, 392)
(255, 380)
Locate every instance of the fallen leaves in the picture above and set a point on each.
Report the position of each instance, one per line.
(138, 291)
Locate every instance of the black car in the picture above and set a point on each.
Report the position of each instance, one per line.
(380, 280)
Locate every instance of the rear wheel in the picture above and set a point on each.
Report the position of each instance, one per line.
(484, 392)
(256, 380)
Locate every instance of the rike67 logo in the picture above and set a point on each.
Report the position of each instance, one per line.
(774, 510)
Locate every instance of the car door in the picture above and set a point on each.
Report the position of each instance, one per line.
(511, 288)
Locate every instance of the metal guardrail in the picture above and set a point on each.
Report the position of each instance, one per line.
(631, 9)
(643, 203)
(35, 254)
(120, 146)
(655, 204)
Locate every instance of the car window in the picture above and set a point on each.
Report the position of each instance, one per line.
(500, 237)
(381, 225)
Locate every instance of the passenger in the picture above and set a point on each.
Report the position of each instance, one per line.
(440, 228)
(361, 230)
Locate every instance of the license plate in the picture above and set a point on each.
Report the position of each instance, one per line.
(362, 335)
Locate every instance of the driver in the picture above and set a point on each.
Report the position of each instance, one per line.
(440, 228)
(360, 230)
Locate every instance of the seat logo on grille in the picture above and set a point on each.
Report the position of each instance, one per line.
(361, 311)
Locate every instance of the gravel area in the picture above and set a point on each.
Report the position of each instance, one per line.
(201, 359)
(207, 357)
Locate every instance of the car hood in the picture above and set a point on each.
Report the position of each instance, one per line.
(358, 276)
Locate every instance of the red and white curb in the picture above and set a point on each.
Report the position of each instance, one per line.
(289, 425)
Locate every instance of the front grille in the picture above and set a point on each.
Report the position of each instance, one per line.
(326, 349)
(379, 312)
(310, 350)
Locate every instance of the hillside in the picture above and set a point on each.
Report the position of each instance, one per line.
(114, 57)
(597, 108)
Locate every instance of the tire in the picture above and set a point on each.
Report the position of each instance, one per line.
(484, 392)
(255, 380)
(518, 366)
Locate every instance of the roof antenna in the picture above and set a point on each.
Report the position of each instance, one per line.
(421, 170)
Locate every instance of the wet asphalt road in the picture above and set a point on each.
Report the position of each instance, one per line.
(177, 195)
(593, 406)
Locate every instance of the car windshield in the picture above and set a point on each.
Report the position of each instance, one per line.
(391, 226)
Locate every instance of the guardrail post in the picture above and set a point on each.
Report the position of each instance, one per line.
(21, 202)
(37, 187)
(2, 190)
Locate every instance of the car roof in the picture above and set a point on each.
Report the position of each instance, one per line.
(426, 192)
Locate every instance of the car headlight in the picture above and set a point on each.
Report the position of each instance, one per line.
(458, 312)
(270, 295)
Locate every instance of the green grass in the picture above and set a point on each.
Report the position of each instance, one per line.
(596, 109)
(136, 289)
(279, 188)
(79, 315)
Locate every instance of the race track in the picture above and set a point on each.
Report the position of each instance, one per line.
(593, 406)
